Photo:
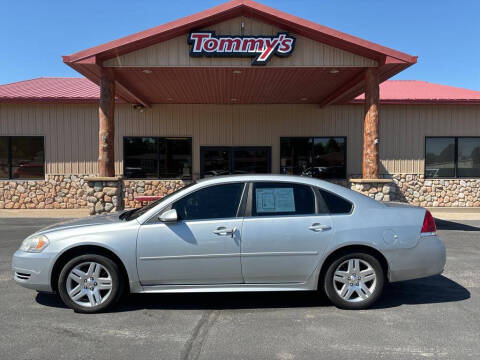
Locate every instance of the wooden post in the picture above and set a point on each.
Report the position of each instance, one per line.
(106, 134)
(371, 135)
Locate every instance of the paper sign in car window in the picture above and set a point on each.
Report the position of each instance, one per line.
(275, 200)
(284, 200)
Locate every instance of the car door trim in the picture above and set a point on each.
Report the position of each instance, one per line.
(173, 257)
(276, 253)
(240, 208)
(280, 253)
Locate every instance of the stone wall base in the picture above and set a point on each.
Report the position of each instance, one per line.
(135, 188)
(80, 191)
(375, 189)
(416, 190)
(55, 192)
(104, 195)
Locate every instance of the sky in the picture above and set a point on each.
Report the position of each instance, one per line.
(444, 34)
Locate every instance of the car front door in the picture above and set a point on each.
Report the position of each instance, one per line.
(284, 233)
(202, 246)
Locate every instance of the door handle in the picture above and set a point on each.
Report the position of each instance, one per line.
(222, 230)
(319, 227)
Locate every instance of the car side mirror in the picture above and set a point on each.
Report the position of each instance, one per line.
(169, 216)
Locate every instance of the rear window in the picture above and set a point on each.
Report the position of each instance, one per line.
(282, 199)
(336, 204)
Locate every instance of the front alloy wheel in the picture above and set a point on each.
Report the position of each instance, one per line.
(354, 281)
(90, 283)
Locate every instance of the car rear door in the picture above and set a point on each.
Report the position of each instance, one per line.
(202, 247)
(284, 233)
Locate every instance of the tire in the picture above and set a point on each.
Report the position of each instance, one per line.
(352, 289)
(94, 288)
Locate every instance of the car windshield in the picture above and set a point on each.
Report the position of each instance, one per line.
(135, 213)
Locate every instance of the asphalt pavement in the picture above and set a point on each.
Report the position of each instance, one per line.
(436, 317)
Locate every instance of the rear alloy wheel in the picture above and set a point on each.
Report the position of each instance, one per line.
(354, 281)
(90, 283)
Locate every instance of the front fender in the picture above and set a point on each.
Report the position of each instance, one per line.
(121, 242)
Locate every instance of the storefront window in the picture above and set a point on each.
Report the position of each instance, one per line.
(226, 160)
(468, 157)
(22, 157)
(449, 157)
(320, 157)
(4, 172)
(155, 157)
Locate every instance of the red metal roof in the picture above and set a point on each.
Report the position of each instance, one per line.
(50, 90)
(415, 91)
(81, 90)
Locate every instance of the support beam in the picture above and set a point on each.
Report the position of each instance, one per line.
(106, 134)
(371, 162)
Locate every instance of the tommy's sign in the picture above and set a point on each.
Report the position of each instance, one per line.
(206, 43)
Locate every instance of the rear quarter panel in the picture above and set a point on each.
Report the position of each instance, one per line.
(382, 227)
(391, 230)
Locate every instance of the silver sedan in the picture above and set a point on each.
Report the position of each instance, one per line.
(236, 233)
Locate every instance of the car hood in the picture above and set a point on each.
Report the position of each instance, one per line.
(87, 221)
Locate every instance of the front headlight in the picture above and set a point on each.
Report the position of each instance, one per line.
(34, 244)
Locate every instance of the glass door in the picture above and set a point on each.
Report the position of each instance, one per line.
(226, 160)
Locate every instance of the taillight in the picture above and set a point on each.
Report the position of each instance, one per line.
(428, 223)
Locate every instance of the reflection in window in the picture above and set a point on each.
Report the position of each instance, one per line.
(153, 157)
(440, 157)
(251, 160)
(320, 157)
(4, 171)
(22, 157)
(468, 157)
(227, 160)
(452, 157)
(213, 202)
(336, 204)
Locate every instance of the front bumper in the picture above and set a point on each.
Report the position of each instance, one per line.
(32, 270)
(426, 259)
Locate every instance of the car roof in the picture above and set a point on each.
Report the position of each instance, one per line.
(271, 177)
(252, 177)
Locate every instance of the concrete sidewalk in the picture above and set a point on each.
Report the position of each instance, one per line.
(439, 213)
(455, 213)
(43, 213)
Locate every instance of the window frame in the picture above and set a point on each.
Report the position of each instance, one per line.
(241, 210)
(313, 146)
(319, 203)
(10, 158)
(189, 138)
(319, 190)
(455, 158)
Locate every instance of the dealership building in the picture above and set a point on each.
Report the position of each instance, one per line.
(239, 88)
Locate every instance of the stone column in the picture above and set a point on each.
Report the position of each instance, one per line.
(104, 194)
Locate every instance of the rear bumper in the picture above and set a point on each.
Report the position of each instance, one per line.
(32, 270)
(426, 259)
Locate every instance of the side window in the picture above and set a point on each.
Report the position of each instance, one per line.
(336, 204)
(282, 199)
(213, 202)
